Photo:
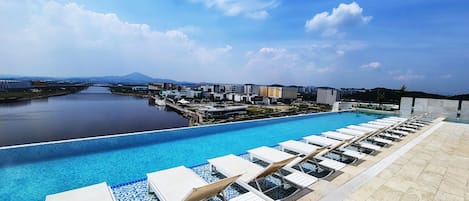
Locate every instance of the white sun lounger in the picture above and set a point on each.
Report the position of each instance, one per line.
(369, 146)
(375, 126)
(399, 118)
(392, 119)
(381, 123)
(352, 132)
(389, 135)
(411, 126)
(380, 140)
(406, 129)
(387, 121)
(181, 184)
(298, 147)
(303, 148)
(417, 124)
(269, 155)
(97, 192)
(337, 136)
(361, 128)
(321, 141)
(398, 132)
(231, 165)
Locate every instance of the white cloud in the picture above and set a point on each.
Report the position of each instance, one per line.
(345, 15)
(51, 38)
(407, 76)
(372, 65)
(254, 9)
(281, 65)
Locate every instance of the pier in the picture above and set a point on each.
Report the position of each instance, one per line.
(194, 117)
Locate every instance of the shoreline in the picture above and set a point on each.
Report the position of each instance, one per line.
(15, 99)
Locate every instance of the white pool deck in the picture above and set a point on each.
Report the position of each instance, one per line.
(432, 164)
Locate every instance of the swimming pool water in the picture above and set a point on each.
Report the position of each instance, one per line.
(33, 180)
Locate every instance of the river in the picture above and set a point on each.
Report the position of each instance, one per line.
(91, 112)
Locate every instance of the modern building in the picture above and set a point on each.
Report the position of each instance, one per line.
(6, 85)
(210, 88)
(327, 95)
(159, 86)
(250, 89)
(232, 88)
(279, 92)
(184, 93)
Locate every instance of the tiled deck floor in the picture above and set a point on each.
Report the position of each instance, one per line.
(437, 168)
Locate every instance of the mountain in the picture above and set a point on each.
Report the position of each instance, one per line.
(133, 78)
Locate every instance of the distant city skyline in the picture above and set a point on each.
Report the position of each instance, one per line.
(417, 43)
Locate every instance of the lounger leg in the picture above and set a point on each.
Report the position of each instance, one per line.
(222, 196)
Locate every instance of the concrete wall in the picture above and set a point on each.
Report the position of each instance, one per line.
(406, 106)
(434, 107)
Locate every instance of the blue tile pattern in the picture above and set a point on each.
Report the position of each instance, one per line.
(138, 190)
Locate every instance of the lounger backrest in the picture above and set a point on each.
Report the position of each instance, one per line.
(311, 155)
(210, 190)
(273, 167)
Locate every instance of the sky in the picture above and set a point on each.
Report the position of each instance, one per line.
(422, 44)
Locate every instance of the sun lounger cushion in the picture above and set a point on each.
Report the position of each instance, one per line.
(174, 183)
(351, 132)
(369, 146)
(97, 192)
(249, 196)
(321, 140)
(337, 136)
(361, 128)
(231, 165)
(335, 165)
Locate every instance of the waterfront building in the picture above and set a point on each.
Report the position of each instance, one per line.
(327, 95)
(219, 111)
(140, 88)
(183, 93)
(6, 85)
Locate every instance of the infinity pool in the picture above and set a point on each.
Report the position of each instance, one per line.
(31, 172)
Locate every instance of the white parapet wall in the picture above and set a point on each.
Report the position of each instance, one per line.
(434, 107)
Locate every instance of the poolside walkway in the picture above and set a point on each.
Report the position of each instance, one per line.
(437, 168)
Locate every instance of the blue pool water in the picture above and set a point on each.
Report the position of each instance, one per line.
(32, 172)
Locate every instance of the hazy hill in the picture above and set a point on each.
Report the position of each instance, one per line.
(133, 78)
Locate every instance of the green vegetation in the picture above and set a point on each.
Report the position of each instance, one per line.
(37, 93)
(127, 91)
(382, 95)
(259, 110)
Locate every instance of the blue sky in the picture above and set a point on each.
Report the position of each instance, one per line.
(420, 43)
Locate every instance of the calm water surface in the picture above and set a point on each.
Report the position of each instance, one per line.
(92, 112)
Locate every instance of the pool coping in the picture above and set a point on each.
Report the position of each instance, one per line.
(164, 130)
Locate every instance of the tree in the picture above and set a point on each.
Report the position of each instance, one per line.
(402, 91)
(380, 97)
